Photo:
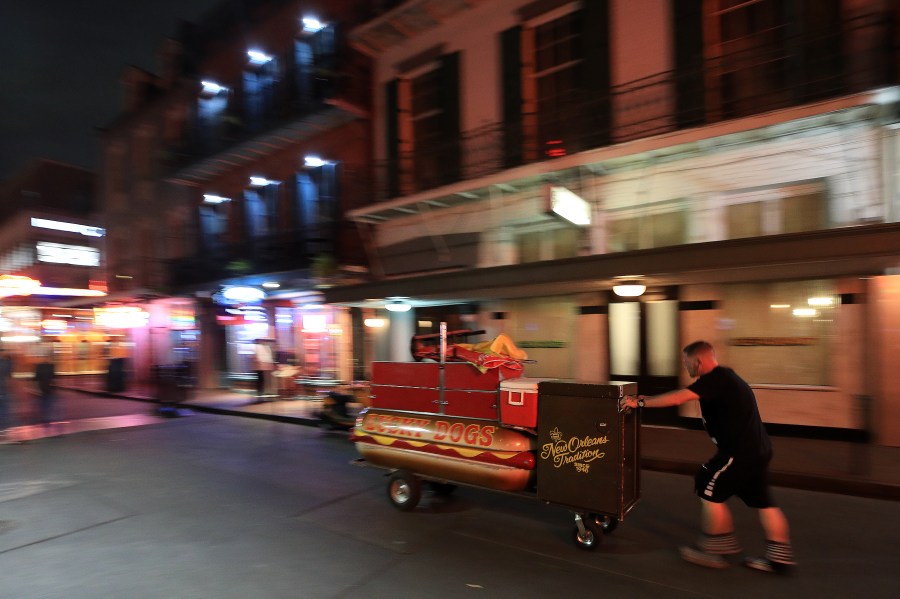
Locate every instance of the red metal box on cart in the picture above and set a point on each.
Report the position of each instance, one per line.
(519, 402)
(416, 387)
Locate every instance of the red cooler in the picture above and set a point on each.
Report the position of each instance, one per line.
(519, 402)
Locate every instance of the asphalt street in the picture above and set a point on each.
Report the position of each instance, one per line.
(217, 506)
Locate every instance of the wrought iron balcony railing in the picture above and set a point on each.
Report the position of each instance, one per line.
(861, 55)
(274, 253)
(346, 83)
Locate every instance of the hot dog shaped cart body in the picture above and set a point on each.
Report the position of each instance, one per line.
(563, 442)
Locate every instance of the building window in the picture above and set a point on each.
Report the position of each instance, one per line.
(644, 227)
(555, 244)
(774, 53)
(423, 139)
(558, 74)
(260, 81)
(211, 108)
(213, 225)
(780, 333)
(317, 206)
(427, 128)
(262, 210)
(770, 211)
(258, 217)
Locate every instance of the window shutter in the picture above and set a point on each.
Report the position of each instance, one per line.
(511, 89)
(688, 35)
(598, 112)
(449, 86)
(392, 141)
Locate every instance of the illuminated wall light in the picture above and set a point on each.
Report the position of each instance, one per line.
(569, 206)
(209, 198)
(374, 323)
(57, 225)
(213, 88)
(805, 312)
(397, 306)
(261, 181)
(629, 289)
(258, 57)
(271, 285)
(312, 24)
(780, 306)
(424, 324)
(313, 161)
(820, 301)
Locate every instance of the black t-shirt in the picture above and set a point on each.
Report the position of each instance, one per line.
(730, 414)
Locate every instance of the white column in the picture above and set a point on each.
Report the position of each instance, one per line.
(402, 327)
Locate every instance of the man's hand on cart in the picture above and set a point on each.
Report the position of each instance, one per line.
(630, 402)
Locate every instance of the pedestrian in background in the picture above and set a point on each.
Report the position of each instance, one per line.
(6, 368)
(739, 468)
(44, 375)
(264, 364)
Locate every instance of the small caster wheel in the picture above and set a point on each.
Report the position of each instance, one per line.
(586, 540)
(605, 524)
(404, 490)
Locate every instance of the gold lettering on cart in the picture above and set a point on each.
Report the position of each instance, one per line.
(578, 451)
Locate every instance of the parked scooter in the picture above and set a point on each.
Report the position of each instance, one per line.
(335, 413)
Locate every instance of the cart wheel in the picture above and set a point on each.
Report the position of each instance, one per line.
(442, 489)
(404, 490)
(587, 541)
(606, 524)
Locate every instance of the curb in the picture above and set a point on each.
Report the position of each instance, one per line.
(791, 480)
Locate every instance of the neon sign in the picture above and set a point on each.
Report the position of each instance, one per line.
(58, 225)
(243, 295)
(60, 253)
(121, 317)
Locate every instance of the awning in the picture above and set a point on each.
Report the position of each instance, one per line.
(865, 250)
(122, 297)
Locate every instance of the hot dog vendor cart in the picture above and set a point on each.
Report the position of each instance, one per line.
(562, 442)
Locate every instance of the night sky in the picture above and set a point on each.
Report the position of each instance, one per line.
(62, 61)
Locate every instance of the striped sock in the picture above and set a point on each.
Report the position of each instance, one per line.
(724, 544)
(779, 552)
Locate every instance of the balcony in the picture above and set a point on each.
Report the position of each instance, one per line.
(282, 252)
(215, 145)
(858, 57)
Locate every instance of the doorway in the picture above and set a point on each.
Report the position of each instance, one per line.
(644, 347)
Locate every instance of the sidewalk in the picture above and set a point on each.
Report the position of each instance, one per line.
(828, 466)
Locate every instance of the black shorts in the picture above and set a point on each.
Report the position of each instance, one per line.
(725, 476)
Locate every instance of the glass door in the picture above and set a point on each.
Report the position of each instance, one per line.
(644, 348)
